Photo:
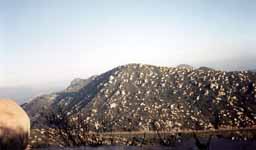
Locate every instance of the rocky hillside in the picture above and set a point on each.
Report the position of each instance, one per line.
(143, 97)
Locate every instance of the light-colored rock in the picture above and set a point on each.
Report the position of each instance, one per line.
(113, 105)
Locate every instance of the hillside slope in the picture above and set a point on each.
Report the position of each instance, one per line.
(143, 97)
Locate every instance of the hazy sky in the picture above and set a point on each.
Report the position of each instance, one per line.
(43, 41)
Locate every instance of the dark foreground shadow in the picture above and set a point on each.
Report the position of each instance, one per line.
(200, 145)
(12, 139)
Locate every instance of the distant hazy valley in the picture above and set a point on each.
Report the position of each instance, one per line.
(23, 94)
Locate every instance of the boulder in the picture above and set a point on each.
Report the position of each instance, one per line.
(14, 126)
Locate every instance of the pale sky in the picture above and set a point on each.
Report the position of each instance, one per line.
(47, 41)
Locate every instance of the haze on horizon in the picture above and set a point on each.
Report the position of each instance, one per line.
(47, 41)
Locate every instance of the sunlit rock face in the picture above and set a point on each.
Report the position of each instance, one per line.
(143, 97)
(14, 126)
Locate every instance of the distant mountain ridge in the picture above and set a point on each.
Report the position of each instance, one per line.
(77, 84)
(137, 97)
